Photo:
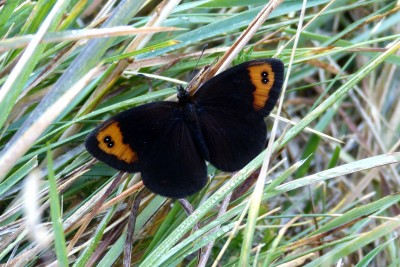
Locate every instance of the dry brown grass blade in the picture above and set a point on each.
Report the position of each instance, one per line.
(134, 210)
(205, 255)
(82, 37)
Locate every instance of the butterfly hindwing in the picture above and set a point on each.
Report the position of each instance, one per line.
(155, 140)
(231, 108)
(233, 139)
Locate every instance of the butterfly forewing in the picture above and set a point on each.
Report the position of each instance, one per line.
(109, 144)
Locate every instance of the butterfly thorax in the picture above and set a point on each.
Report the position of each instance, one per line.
(192, 121)
(183, 95)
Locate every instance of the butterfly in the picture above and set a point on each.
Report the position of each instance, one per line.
(169, 142)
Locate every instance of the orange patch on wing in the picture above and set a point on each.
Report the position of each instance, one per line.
(119, 149)
(261, 94)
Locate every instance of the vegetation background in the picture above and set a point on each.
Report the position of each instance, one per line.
(330, 196)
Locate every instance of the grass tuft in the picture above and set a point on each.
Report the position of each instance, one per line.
(329, 194)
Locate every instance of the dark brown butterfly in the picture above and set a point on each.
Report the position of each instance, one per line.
(170, 142)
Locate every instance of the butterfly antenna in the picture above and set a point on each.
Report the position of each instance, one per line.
(202, 52)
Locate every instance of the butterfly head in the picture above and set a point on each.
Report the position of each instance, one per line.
(183, 95)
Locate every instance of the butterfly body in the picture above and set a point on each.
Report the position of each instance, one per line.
(169, 142)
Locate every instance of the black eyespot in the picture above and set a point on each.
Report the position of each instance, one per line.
(264, 76)
(107, 139)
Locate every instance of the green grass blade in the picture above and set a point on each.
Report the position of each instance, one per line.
(56, 216)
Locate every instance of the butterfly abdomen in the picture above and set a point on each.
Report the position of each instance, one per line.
(192, 121)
